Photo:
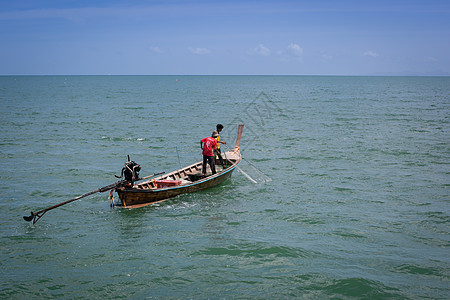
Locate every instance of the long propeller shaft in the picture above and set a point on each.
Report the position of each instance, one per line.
(35, 216)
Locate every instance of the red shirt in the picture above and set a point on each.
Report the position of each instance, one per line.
(209, 143)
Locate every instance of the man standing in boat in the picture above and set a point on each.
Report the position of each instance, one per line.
(219, 128)
(208, 144)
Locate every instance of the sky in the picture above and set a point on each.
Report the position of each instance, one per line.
(228, 37)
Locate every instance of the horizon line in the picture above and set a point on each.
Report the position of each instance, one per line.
(309, 75)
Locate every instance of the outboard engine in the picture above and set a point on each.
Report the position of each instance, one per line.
(130, 171)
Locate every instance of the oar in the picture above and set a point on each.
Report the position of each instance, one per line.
(239, 135)
(35, 216)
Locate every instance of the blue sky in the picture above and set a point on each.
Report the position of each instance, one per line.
(313, 37)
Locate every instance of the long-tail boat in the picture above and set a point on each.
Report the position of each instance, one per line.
(186, 180)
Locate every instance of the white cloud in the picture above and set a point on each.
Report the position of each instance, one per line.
(260, 50)
(371, 53)
(292, 51)
(155, 49)
(199, 51)
(295, 50)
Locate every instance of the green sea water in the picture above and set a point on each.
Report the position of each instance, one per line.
(351, 200)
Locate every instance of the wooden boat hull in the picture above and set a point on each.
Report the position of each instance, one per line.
(132, 196)
(147, 192)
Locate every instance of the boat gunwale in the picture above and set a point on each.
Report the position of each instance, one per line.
(210, 177)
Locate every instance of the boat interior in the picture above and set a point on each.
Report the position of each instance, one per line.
(186, 175)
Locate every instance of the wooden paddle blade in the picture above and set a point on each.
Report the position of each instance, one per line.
(239, 134)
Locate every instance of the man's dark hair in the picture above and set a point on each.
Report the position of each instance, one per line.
(219, 126)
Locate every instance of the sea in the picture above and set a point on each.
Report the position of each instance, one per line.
(343, 191)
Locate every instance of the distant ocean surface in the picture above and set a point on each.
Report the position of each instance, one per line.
(352, 199)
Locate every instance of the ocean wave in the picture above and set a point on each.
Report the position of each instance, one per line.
(255, 251)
